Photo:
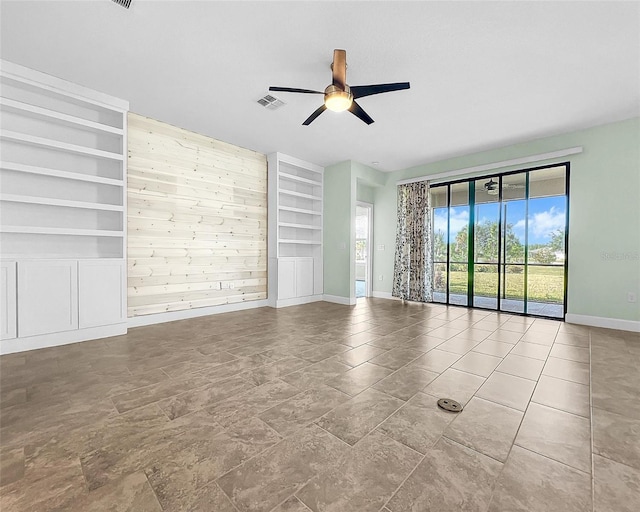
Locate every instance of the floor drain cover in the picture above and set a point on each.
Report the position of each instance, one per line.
(449, 405)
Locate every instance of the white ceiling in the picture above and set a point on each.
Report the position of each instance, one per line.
(483, 74)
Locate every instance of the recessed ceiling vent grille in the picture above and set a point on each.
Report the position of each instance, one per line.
(123, 3)
(270, 102)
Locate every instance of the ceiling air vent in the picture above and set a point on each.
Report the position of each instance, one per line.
(270, 102)
(123, 3)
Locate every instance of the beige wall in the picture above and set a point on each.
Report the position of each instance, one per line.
(197, 220)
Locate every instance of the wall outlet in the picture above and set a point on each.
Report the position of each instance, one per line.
(380, 277)
(632, 297)
(232, 285)
(381, 247)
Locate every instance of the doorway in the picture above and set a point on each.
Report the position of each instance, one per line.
(500, 241)
(363, 264)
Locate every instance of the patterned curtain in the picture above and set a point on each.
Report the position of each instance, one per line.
(413, 269)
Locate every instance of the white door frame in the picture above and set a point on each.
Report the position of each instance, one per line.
(369, 270)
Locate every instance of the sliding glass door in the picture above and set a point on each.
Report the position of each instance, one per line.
(500, 241)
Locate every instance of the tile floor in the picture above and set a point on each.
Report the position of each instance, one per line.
(327, 408)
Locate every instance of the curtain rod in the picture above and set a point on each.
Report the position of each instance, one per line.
(495, 165)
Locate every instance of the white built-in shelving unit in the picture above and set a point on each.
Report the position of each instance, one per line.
(295, 230)
(62, 210)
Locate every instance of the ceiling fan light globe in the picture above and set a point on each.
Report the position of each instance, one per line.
(337, 100)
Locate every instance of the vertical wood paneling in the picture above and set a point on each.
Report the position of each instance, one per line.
(197, 220)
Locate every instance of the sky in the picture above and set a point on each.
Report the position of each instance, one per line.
(546, 215)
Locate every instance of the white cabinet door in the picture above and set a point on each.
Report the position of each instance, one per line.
(101, 298)
(8, 300)
(304, 277)
(286, 278)
(47, 296)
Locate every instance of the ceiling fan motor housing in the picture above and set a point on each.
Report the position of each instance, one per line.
(338, 99)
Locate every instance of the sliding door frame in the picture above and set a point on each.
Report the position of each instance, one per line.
(471, 237)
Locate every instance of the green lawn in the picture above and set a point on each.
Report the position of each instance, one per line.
(546, 284)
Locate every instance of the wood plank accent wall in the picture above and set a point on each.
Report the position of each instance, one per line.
(197, 220)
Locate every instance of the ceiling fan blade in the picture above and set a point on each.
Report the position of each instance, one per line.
(339, 68)
(360, 113)
(313, 116)
(359, 91)
(292, 89)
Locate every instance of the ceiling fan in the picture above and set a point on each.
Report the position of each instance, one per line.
(339, 96)
(492, 187)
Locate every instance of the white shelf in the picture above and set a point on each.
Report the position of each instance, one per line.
(44, 171)
(299, 210)
(300, 242)
(299, 194)
(60, 202)
(299, 226)
(63, 146)
(45, 113)
(293, 177)
(59, 231)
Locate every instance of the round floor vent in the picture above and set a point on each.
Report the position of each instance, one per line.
(449, 405)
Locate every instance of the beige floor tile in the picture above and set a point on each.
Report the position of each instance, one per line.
(436, 360)
(252, 402)
(561, 394)
(565, 338)
(458, 345)
(203, 396)
(493, 348)
(275, 370)
(445, 332)
(359, 378)
(616, 437)
(505, 336)
(475, 334)
(360, 338)
(265, 481)
(316, 374)
(406, 382)
(364, 480)
(423, 343)
(354, 419)
(455, 384)
(61, 434)
(533, 483)
(419, 423)
(322, 352)
(616, 389)
(303, 409)
(451, 478)
(521, 366)
(397, 358)
(558, 435)
(567, 370)
(570, 352)
(532, 350)
(617, 487)
(477, 363)
(360, 355)
(486, 427)
(293, 504)
(132, 492)
(508, 390)
(540, 338)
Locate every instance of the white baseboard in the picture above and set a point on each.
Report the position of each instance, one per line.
(607, 323)
(60, 338)
(346, 301)
(296, 301)
(170, 316)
